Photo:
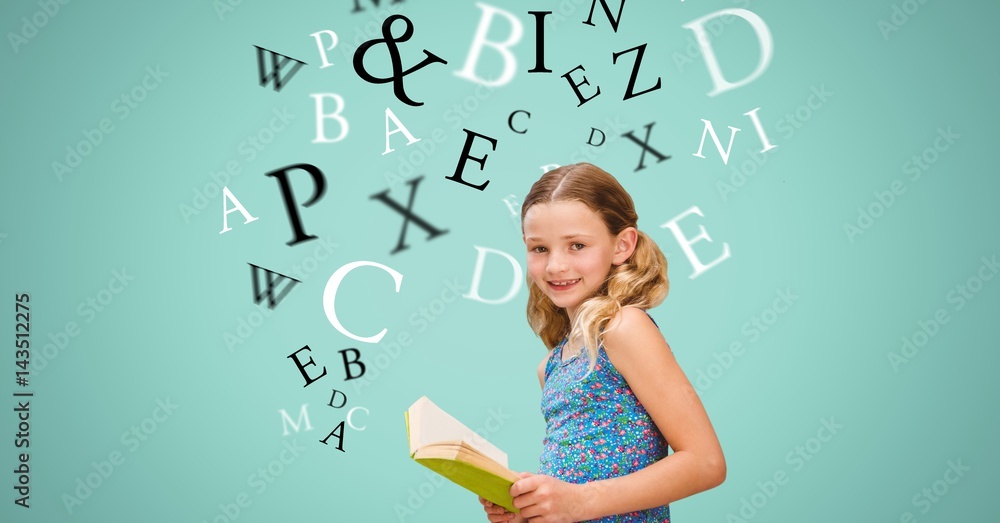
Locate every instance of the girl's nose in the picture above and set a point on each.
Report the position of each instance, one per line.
(556, 264)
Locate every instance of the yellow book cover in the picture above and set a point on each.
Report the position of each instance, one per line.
(441, 443)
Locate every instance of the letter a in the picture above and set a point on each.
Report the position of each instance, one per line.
(225, 211)
(400, 128)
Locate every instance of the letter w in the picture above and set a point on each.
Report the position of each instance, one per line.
(277, 64)
(272, 284)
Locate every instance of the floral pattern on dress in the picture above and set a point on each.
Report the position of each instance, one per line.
(595, 428)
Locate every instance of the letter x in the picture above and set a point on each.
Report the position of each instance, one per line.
(408, 214)
(645, 147)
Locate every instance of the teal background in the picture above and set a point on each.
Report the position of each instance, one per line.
(164, 336)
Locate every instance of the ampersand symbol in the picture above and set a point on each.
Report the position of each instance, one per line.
(397, 68)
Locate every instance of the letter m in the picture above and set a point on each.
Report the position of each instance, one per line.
(286, 421)
(357, 5)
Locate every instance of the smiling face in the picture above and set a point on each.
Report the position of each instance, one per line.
(571, 251)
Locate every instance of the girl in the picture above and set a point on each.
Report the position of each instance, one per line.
(613, 395)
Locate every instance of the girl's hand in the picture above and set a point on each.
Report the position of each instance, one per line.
(498, 514)
(545, 499)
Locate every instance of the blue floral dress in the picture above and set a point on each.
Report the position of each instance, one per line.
(596, 428)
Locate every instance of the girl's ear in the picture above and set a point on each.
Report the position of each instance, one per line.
(625, 245)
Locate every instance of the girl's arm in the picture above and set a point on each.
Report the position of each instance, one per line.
(637, 349)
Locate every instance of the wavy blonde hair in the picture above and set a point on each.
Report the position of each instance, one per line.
(641, 281)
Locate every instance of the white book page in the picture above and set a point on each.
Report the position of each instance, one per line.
(429, 424)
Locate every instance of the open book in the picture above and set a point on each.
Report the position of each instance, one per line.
(446, 446)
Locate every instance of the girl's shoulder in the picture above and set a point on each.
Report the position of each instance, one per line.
(629, 318)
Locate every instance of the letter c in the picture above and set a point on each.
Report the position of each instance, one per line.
(350, 413)
(330, 296)
(510, 121)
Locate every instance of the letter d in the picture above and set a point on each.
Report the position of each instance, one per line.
(763, 37)
(515, 285)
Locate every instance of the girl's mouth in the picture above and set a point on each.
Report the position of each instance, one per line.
(563, 285)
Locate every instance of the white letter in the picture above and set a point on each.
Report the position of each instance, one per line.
(687, 243)
(225, 212)
(319, 43)
(351, 413)
(400, 128)
(286, 421)
(715, 138)
(509, 61)
(515, 285)
(320, 135)
(760, 130)
(330, 295)
(763, 36)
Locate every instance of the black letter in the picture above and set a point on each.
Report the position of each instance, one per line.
(469, 137)
(286, 193)
(272, 283)
(635, 70)
(408, 214)
(607, 11)
(591, 137)
(645, 147)
(510, 122)
(347, 366)
(539, 42)
(340, 437)
(357, 5)
(302, 368)
(576, 87)
(276, 66)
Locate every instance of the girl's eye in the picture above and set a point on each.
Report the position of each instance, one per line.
(577, 246)
(538, 249)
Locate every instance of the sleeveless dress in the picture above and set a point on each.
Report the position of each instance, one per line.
(596, 428)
